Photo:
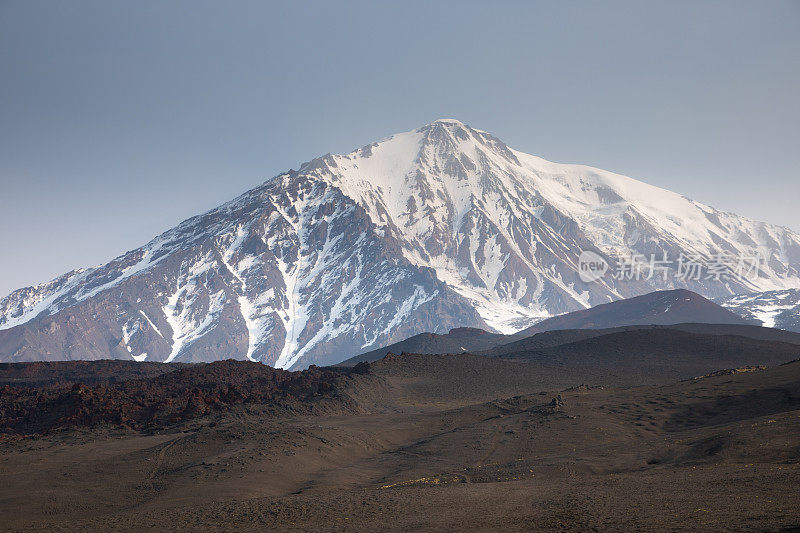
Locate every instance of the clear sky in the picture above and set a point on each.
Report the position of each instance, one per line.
(120, 119)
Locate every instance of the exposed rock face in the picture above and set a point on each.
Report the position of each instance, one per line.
(428, 230)
(57, 396)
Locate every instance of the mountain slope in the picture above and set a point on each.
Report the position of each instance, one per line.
(505, 229)
(773, 309)
(441, 227)
(289, 267)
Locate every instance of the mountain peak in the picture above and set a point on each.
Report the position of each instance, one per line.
(427, 230)
(454, 127)
(447, 121)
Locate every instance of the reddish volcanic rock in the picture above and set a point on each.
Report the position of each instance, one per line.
(184, 393)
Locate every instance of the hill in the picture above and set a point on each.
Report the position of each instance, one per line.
(677, 306)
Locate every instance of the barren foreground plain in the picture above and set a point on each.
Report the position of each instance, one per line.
(409, 442)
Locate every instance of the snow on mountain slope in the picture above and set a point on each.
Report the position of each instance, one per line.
(427, 230)
(291, 273)
(504, 229)
(774, 309)
(600, 200)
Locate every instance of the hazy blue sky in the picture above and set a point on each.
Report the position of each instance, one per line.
(120, 119)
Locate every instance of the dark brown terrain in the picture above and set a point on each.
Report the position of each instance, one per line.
(654, 354)
(549, 339)
(457, 340)
(422, 442)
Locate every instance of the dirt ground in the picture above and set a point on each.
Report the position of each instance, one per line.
(430, 449)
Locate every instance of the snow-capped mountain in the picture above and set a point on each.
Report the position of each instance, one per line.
(441, 227)
(773, 309)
